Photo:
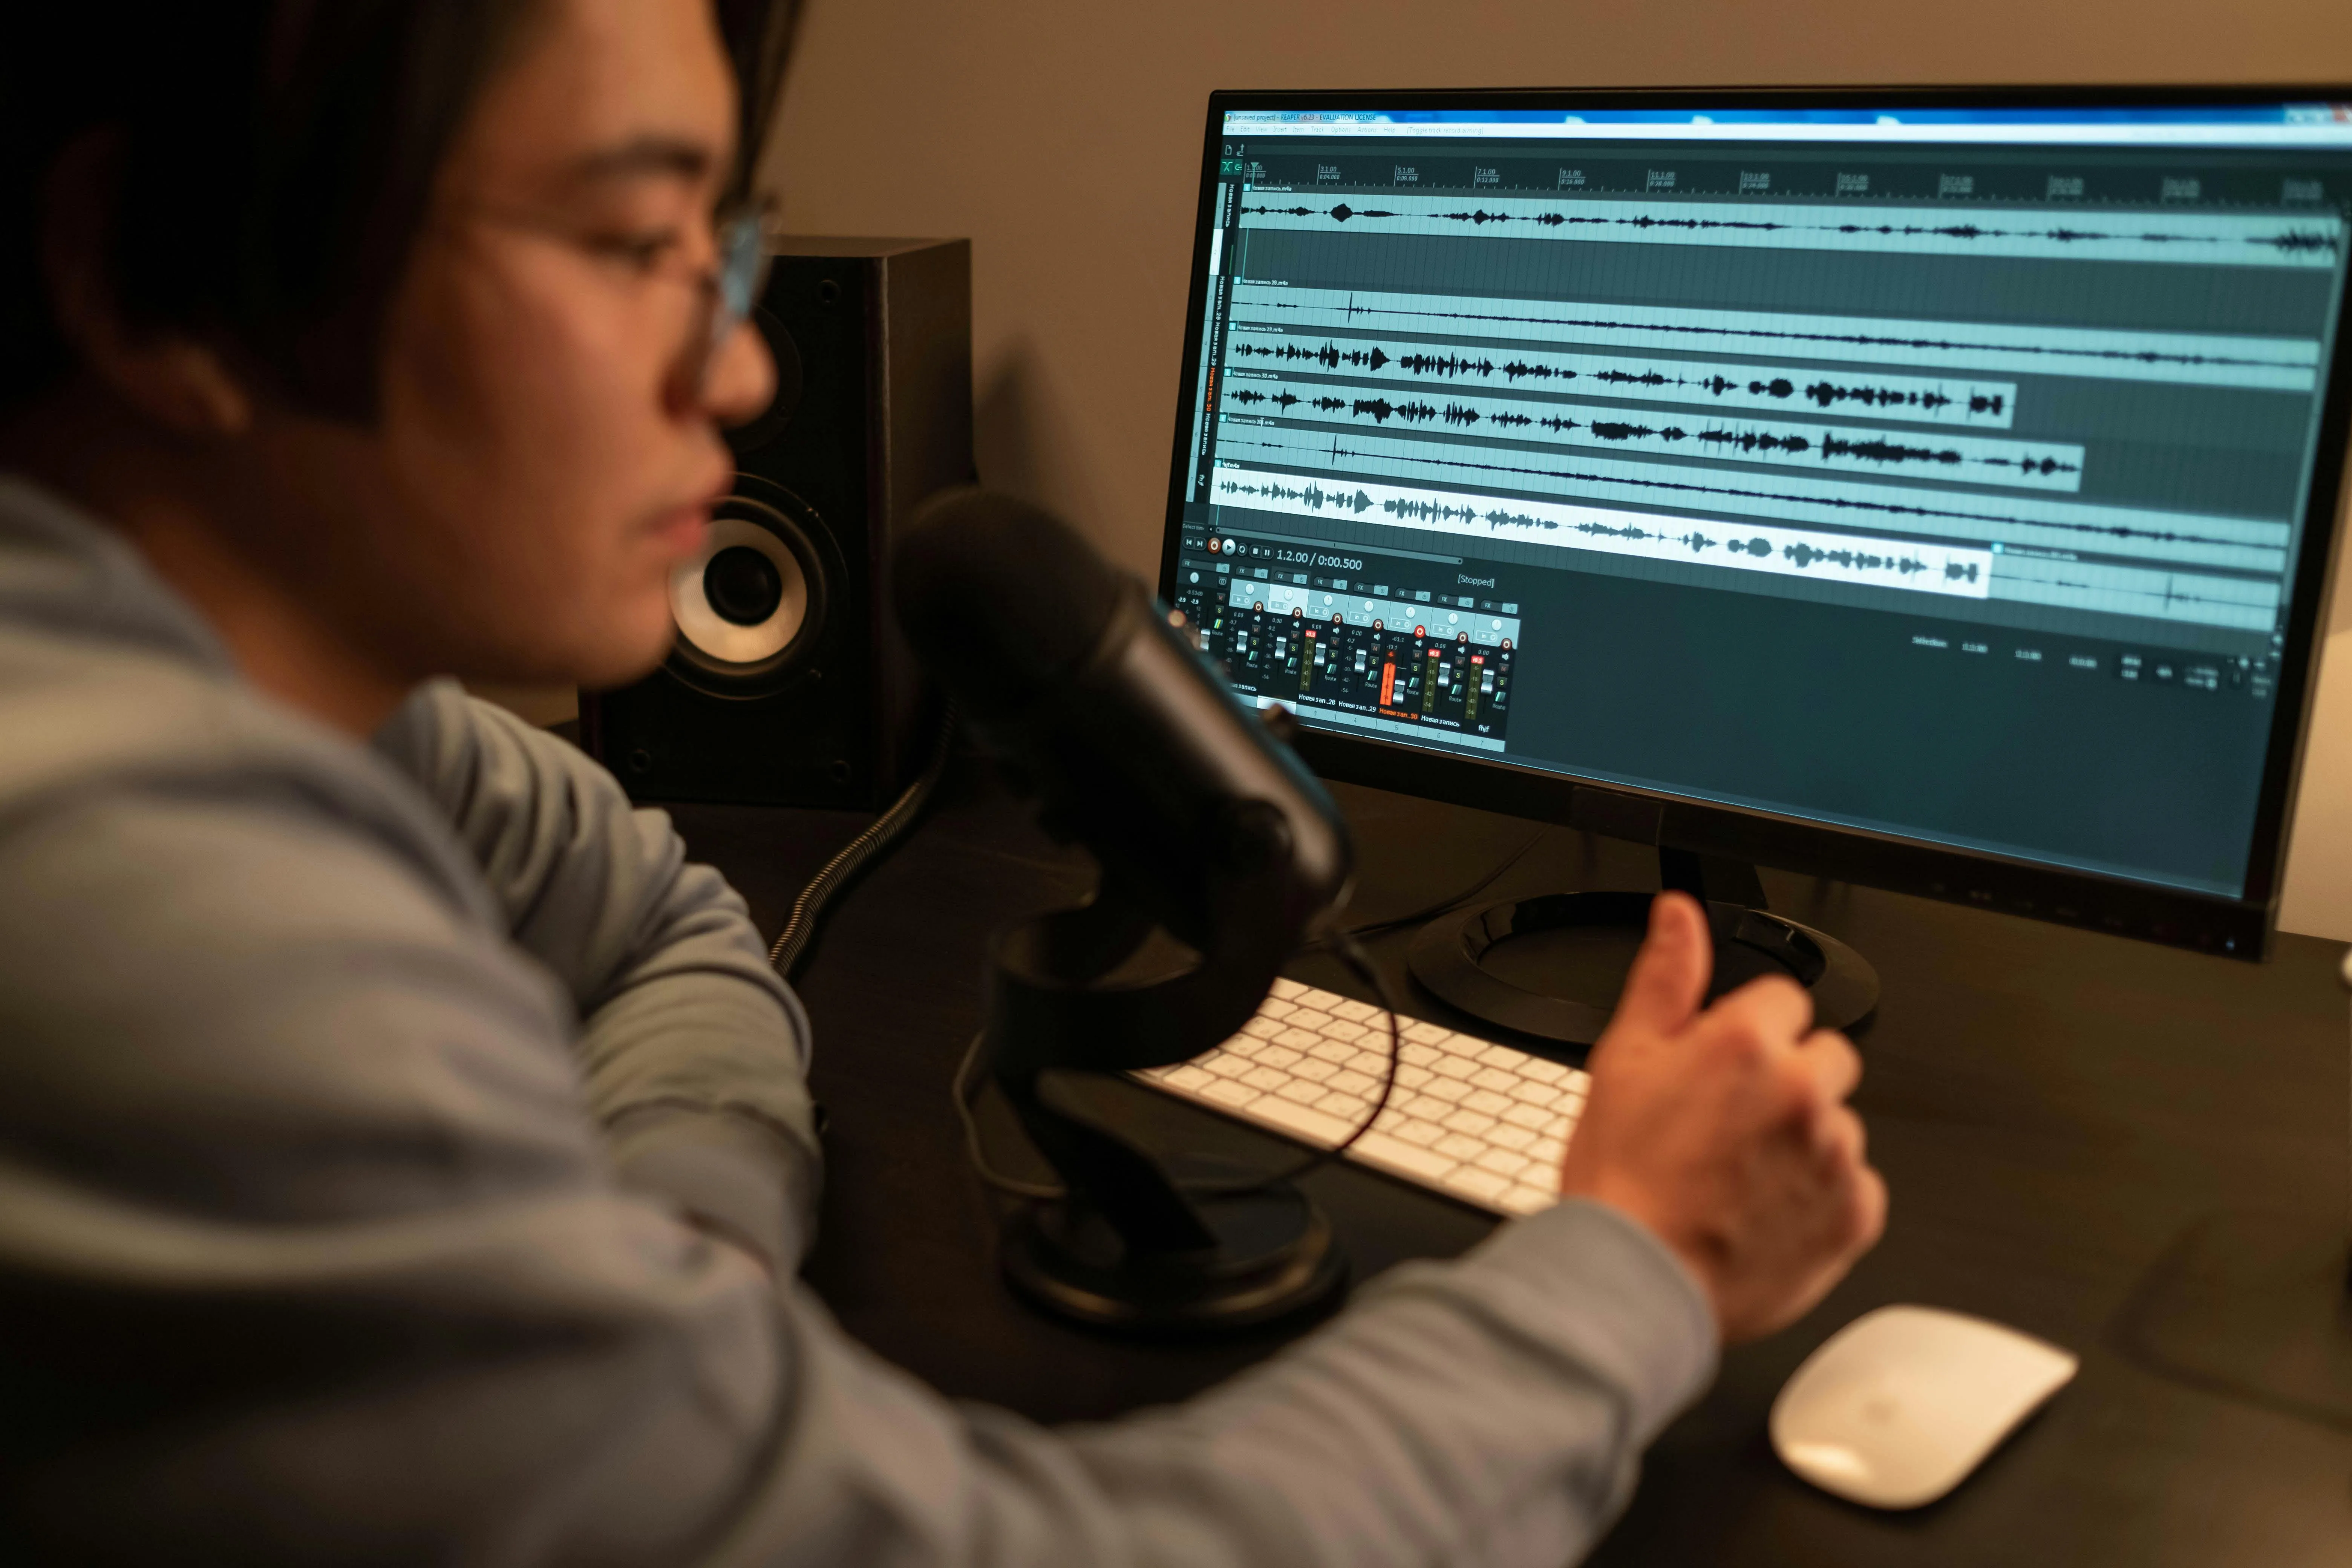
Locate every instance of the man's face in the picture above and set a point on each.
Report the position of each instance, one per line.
(544, 453)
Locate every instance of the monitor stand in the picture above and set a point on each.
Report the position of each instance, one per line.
(1456, 956)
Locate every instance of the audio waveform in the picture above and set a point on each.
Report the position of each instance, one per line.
(1316, 499)
(1313, 495)
(2289, 241)
(1883, 451)
(1825, 393)
(1330, 356)
(1781, 334)
(1800, 553)
(2166, 596)
(1736, 544)
(1737, 492)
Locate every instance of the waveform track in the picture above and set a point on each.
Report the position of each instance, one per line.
(1921, 566)
(1351, 310)
(1740, 492)
(1738, 439)
(2292, 241)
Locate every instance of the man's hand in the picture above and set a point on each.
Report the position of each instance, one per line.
(1726, 1132)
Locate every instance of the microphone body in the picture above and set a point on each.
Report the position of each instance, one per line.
(1075, 680)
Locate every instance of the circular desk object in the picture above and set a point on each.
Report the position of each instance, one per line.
(1275, 1255)
(1450, 957)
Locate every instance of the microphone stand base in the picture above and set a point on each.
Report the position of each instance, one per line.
(1275, 1255)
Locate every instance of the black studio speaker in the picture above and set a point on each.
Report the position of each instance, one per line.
(788, 684)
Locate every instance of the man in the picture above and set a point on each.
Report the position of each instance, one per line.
(404, 1152)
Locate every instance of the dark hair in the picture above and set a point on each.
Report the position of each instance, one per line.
(272, 162)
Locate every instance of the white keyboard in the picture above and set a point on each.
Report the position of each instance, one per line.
(1473, 1120)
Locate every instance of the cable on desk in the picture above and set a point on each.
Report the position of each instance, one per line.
(1350, 952)
(800, 927)
(1442, 906)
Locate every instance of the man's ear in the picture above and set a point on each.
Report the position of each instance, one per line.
(175, 380)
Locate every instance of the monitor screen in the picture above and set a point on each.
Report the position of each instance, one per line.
(1936, 470)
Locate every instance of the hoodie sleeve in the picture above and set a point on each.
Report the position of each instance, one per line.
(695, 1053)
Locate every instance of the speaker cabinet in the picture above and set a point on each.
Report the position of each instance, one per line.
(788, 683)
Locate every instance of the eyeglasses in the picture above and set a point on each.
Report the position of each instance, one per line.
(730, 293)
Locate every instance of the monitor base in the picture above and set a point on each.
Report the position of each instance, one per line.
(1453, 955)
(2255, 1305)
(1275, 1255)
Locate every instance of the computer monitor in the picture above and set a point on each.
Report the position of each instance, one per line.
(1931, 490)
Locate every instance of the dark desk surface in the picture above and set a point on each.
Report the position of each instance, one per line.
(2051, 1108)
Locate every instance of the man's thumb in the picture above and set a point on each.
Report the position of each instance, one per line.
(1669, 976)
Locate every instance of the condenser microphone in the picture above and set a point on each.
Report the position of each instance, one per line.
(1067, 671)
(1206, 828)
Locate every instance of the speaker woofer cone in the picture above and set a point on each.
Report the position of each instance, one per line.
(749, 605)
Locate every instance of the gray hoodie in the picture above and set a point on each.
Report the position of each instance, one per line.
(396, 1146)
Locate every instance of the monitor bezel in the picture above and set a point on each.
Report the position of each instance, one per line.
(2241, 927)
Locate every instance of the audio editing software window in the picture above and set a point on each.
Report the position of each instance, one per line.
(1940, 476)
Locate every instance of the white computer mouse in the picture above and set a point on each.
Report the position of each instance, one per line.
(1901, 1403)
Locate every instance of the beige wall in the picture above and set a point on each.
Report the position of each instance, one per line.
(1064, 137)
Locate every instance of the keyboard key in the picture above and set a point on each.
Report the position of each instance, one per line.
(1190, 1076)
(1275, 1055)
(1298, 1039)
(1225, 1092)
(1413, 1129)
(1355, 1011)
(1544, 1071)
(1355, 1083)
(1302, 1120)
(1495, 1079)
(1453, 1067)
(1350, 1107)
(1529, 1116)
(1460, 1146)
(1498, 1056)
(1452, 1091)
(1314, 1071)
(1224, 1064)
(1266, 1079)
(1486, 1102)
(1333, 1051)
(1290, 990)
(1471, 1123)
(1426, 1033)
(1531, 1092)
(1262, 1027)
(1418, 1053)
(1297, 1088)
(1502, 1162)
(1342, 1029)
(1410, 1158)
(1508, 1137)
